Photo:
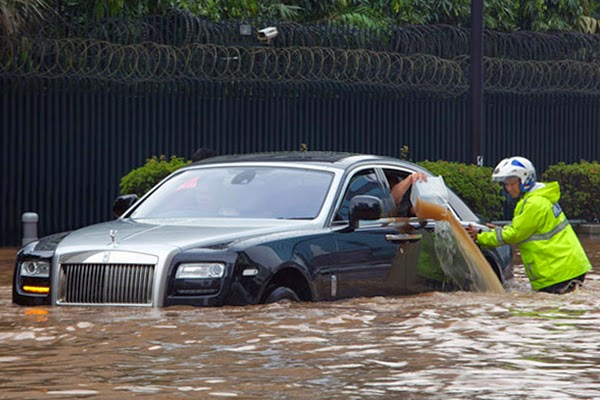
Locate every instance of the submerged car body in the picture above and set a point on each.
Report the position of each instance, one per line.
(247, 229)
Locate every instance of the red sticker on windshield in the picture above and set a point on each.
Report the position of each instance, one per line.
(190, 184)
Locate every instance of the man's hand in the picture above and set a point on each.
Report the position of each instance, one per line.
(472, 231)
(418, 176)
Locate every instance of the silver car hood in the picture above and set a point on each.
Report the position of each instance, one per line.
(155, 242)
(146, 235)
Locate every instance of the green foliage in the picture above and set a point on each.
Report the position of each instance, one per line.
(15, 14)
(579, 186)
(217, 10)
(502, 15)
(112, 8)
(364, 14)
(473, 184)
(547, 15)
(142, 179)
(404, 150)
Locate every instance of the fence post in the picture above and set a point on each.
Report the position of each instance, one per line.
(476, 79)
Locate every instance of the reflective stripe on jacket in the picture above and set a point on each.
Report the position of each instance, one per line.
(550, 249)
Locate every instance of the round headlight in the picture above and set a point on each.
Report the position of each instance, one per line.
(30, 268)
(37, 269)
(216, 270)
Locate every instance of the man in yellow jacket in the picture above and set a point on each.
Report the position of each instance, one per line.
(553, 257)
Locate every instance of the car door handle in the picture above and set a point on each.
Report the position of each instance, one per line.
(403, 238)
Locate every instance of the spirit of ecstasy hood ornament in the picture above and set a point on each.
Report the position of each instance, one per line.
(113, 235)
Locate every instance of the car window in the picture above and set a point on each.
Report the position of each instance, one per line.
(239, 192)
(394, 177)
(362, 183)
(463, 212)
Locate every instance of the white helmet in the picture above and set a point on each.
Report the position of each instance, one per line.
(520, 167)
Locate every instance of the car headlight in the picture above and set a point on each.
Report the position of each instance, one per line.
(200, 271)
(36, 269)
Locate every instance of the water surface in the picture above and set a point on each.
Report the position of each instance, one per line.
(515, 345)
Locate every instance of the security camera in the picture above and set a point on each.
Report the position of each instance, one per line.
(267, 34)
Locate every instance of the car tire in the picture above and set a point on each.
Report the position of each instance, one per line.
(496, 270)
(282, 293)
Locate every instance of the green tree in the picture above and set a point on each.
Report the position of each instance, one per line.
(16, 14)
(215, 10)
(579, 186)
(502, 15)
(142, 179)
(111, 8)
(545, 15)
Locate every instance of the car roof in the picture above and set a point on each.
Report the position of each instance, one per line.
(327, 158)
(331, 159)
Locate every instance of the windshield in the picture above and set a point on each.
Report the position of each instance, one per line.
(239, 192)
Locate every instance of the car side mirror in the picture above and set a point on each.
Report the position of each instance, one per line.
(122, 203)
(364, 207)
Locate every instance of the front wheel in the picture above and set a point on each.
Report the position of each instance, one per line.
(282, 293)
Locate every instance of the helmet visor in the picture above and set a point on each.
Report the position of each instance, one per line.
(504, 178)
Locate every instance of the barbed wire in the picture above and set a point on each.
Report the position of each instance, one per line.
(104, 61)
(536, 77)
(181, 29)
(78, 58)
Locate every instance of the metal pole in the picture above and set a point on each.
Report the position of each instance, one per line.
(30, 227)
(476, 80)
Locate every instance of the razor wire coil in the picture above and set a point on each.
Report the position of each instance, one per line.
(91, 59)
(182, 47)
(77, 58)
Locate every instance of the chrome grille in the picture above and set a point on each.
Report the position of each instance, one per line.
(113, 284)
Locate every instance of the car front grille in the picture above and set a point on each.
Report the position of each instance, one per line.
(105, 284)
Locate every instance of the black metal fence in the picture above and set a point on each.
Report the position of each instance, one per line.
(77, 114)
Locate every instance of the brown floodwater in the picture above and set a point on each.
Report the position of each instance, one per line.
(487, 280)
(512, 345)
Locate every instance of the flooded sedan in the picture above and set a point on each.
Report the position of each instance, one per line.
(251, 229)
(459, 345)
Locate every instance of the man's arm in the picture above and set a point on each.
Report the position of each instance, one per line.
(401, 188)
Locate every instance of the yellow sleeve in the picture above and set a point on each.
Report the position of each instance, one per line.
(523, 225)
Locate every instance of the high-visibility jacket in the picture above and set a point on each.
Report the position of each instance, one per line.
(550, 250)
